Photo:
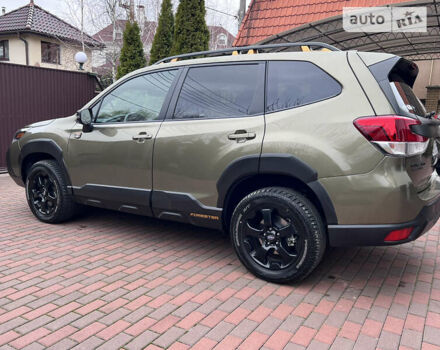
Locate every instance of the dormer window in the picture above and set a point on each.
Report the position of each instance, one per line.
(221, 40)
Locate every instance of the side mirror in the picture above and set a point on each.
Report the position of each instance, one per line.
(85, 118)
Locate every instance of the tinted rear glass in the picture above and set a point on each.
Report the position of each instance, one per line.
(296, 83)
(407, 99)
(218, 92)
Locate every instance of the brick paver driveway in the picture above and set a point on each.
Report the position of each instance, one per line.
(113, 281)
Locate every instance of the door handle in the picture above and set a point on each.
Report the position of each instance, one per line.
(242, 136)
(142, 136)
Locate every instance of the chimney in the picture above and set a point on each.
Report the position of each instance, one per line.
(241, 11)
(141, 16)
(3, 10)
(31, 2)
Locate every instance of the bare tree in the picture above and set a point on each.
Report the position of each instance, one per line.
(98, 14)
(221, 14)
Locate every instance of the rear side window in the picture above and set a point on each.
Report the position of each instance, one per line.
(406, 98)
(292, 84)
(225, 91)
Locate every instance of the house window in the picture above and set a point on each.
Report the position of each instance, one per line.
(4, 50)
(50, 52)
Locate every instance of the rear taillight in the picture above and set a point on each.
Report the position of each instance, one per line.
(392, 133)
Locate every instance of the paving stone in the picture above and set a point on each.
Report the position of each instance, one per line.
(141, 341)
(131, 275)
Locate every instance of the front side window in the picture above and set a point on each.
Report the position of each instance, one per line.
(137, 100)
(292, 84)
(219, 92)
(4, 50)
(50, 52)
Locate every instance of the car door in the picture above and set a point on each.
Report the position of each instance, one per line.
(111, 166)
(216, 117)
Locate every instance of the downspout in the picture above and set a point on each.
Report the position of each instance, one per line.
(430, 73)
(26, 47)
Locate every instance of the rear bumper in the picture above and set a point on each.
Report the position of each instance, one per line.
(374, 235)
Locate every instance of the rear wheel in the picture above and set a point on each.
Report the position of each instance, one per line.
(278, 234)
(47, 194)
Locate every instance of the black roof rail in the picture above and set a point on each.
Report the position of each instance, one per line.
(248, 48)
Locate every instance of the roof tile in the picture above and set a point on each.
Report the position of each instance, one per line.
(32, 18)
(265, 18)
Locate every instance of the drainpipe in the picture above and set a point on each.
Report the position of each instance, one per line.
(430, 73)
(26, 47)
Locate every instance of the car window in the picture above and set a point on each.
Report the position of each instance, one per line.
(407, 99)
(94, 110)
(295, 83)
(218, 92)
(138, 99)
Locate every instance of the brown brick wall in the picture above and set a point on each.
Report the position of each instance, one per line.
(432, 98)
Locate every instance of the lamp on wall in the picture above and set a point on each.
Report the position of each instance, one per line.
(81, 58)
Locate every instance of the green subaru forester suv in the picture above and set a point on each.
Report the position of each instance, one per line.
(289, 152)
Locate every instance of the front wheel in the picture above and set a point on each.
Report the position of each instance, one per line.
(278, 234)
(47, 193)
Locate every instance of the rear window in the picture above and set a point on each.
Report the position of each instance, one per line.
(292, 84)
(406, 98)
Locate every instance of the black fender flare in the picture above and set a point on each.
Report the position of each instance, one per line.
(277, 164)
(47, 146)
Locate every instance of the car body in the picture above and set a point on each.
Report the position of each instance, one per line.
(217, 129)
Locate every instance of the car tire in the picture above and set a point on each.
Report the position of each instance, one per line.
(278, 234)
(48, 196)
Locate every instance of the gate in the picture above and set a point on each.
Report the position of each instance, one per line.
(30, 94)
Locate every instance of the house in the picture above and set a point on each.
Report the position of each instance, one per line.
(280, 21)
(32, 36)
(220, 38)
(105, 59)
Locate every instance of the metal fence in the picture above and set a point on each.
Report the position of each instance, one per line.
(31, 94)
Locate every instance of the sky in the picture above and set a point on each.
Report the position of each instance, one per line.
(61, 9)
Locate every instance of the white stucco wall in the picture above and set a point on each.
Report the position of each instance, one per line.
(16, 49)
(67, 52)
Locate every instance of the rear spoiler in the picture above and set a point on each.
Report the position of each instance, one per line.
(404, 71)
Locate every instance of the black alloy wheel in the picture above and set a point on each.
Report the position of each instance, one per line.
(44, 193)
(270, 237)
(48, 194)
(278, 234)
